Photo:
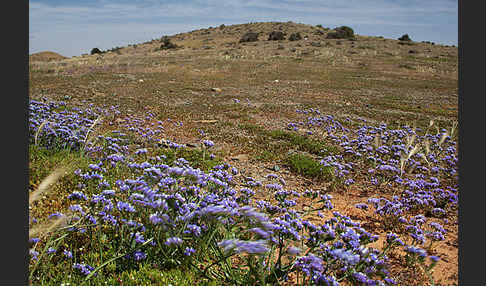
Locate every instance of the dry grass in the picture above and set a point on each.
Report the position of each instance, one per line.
(44, 188)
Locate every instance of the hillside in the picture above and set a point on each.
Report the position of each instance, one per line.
(264, 104)
(46, 56)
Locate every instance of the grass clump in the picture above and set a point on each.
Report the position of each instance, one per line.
(198, 158)
(343, 32)
(302, 143)
(305, 165)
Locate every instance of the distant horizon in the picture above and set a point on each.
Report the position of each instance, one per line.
(73, 27)
(182, 32)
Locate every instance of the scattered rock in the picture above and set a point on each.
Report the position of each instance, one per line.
(216, 89)
(315, 44)
(205, 121)
(249, 37)
(240, 157)
(192, 145)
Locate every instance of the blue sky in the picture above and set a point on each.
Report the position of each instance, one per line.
(71, 27)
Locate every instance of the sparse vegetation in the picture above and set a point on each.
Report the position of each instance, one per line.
(249, 37)
(342, 32)
(95, 51)
(307, 166)
(171, 182)
(276, 36)
(166, 44)
(405, 38)
(295, 37)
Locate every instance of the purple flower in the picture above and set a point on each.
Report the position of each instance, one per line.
(139, 255)
(293, 250)
(260, 232)
(189, 251)
(34, 240)
(141, 151)
(208, 143)
(68, 253)
(173, 241)
(124, 206)
(361, 206)
(33, 254)
(84, 268)
(349, 182)
(345, 255)
(51, 250)
(239, 246)
(77, 195)
(108, 192)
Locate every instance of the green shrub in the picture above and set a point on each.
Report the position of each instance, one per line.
(343, 32)
(301, 142)
(295, 37)
(96, 51)
(249, 37)
(405, 38)
(306, 166)
(166, 44)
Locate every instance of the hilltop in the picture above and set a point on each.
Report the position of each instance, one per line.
(262, 103)
(46, 56)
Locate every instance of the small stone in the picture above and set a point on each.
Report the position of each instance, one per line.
(276, 168)
(240, 157)
(216, 89)
(192, 145)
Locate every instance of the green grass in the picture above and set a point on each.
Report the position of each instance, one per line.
(308, 167)
(274, 145)
(301, 142)
(197, 158)
(43, 161)
(146, 274)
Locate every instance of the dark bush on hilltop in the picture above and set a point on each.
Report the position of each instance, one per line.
(276, 36)
(96, 51)
(343, 32)
(295, 37)
(405, 38)
(167, 44)
(249, 37)
(116, 50)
